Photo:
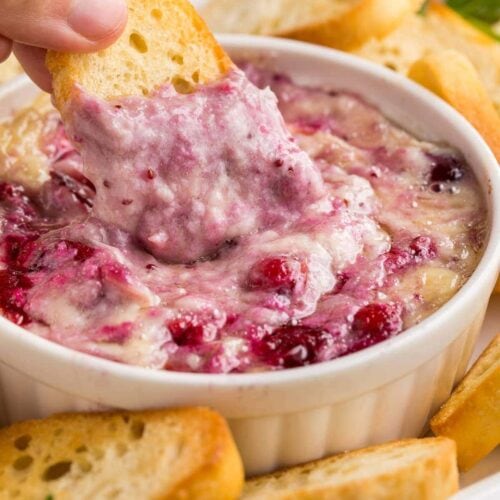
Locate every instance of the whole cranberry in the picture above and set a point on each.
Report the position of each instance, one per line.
(281, 274)
(376, 322)
(292, 346)
(446, 168)
(192, 331)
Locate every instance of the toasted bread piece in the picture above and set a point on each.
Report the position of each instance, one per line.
(441, 28)
(186, 453)
(471, 416)
(343, 24)
(9, 69)
(368, 19)
(165, 41)
(22, 158)
(497, 287)
(451, 76)
(412, 469)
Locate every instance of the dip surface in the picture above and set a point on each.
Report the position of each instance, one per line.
(198, 235)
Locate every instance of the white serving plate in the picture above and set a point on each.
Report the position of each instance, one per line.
(382, 393)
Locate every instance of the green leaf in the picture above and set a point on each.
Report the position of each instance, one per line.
(481, 13)
(484, 10)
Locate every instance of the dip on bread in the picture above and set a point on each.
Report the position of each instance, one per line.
(204, 233)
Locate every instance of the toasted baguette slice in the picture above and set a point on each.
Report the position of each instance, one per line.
(497, 288)
(451, 76)
(415, 469)
(187, 453)
(165, 41)
(441, 28)
(471, 416)
(343, 24)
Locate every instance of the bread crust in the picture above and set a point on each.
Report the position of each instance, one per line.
(165, 41)
(451, 76)
(366, 20)
(471, 416)
(431, 474)
(158, 454)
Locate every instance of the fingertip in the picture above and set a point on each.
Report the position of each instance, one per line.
(32, 59)
(97, 21)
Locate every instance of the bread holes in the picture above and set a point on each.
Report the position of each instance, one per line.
(137, 429)
(22, 442)
(196, 77)
(138, 42)
(391, 66)
(126, 419)
(57, 470)
(181, 85)
(81, 449)
(178, 59)
(157, 14)
(22, 463)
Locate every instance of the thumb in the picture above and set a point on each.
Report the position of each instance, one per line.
(63, 25)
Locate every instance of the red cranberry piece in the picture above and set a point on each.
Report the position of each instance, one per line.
(423, 248)
(114, 334)
(18, 249)
(276, 273)
(13, 286)
(82, 251)
(191, 331)
(376, 322)
(396, 259)
(291, 346)
(446, 168)
(9, 192)
(420, 249)
(342, 279)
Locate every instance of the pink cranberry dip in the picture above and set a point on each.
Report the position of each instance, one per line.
(210, 232)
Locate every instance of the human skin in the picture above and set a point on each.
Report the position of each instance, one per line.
(28, 28)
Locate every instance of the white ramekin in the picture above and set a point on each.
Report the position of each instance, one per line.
(385, 392)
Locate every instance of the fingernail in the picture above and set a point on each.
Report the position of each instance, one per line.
(96, 19)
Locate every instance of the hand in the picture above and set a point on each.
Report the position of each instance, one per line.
(30, 27)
